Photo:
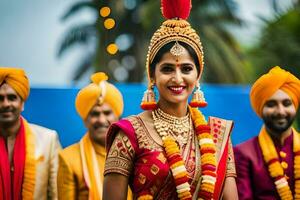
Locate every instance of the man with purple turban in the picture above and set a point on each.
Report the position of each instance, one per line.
(28, 152)
(268, 165)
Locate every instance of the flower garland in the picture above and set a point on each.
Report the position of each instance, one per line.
(276, 169)
(208, 155)
(176, 163)
(177, 167)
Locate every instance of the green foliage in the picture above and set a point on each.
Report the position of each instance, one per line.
(279, 45)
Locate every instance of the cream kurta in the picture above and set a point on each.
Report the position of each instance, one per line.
(46, 152)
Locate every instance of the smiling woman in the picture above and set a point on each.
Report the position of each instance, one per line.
(175, 78)
(170, 151)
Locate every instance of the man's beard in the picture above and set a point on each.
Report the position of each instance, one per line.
(271, 122)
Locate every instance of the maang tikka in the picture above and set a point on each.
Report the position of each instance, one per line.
(177, 49)
(148, 101)
(198, 99)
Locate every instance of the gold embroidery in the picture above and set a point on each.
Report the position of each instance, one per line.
(230, 162)
(154, 169)
(142, 179)
(143, 137)
(161, 158)
(220, 125)
(153, 189)
(118, 165)
(120, 157)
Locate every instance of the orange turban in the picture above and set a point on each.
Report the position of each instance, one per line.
(99, 90)
(269, 83)
(17, 79)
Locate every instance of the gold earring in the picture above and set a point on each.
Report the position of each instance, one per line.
(148, 101)
(198, 99)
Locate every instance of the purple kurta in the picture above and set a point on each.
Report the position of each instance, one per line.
(253, 179)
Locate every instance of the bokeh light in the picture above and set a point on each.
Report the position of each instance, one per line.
(129, 62)
(124, 41)
(104, 11)
(112, 49)
(109, 23)
(121, 74)
(130, 4)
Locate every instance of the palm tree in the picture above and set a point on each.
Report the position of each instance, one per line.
(211, 18)
(279, 44)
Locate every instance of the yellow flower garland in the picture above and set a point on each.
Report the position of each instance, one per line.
(275, 168)
(208, 155)
(208, 161)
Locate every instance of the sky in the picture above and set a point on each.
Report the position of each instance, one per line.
(31, 30)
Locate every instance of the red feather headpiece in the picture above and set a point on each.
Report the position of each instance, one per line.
(176, 8)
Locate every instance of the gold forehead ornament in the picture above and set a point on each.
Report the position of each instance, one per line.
(177, 49)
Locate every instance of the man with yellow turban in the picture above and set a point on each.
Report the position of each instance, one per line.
(81, 165)
(28, 152)
(268, 165)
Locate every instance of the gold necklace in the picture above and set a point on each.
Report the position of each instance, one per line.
(180, 128)
(175, 160)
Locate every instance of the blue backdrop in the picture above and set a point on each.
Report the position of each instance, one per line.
(54, 108)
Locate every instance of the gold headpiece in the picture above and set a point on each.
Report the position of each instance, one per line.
(174, 29)
(177, 29)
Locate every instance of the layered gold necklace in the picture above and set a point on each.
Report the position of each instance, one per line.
(180, 128)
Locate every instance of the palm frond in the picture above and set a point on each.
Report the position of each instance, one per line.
(77, 7)
(76, 35)
(229, 64)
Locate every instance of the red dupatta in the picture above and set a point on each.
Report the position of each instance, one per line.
(12, 190)
(221, 173)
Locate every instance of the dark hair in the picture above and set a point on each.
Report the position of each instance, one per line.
(167, 48)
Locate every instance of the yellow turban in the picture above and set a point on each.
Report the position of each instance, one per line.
(99, 90)
(269, 83)
(17, 79)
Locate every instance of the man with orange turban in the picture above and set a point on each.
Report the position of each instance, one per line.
(28, 152)
(268, 165)
(81, 165)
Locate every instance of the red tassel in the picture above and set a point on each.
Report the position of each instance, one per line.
(148, 105)
(196, 104)
(176, 8)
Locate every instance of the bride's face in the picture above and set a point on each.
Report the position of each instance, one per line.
(175, 77)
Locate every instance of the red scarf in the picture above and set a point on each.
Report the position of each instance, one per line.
(6, 192)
